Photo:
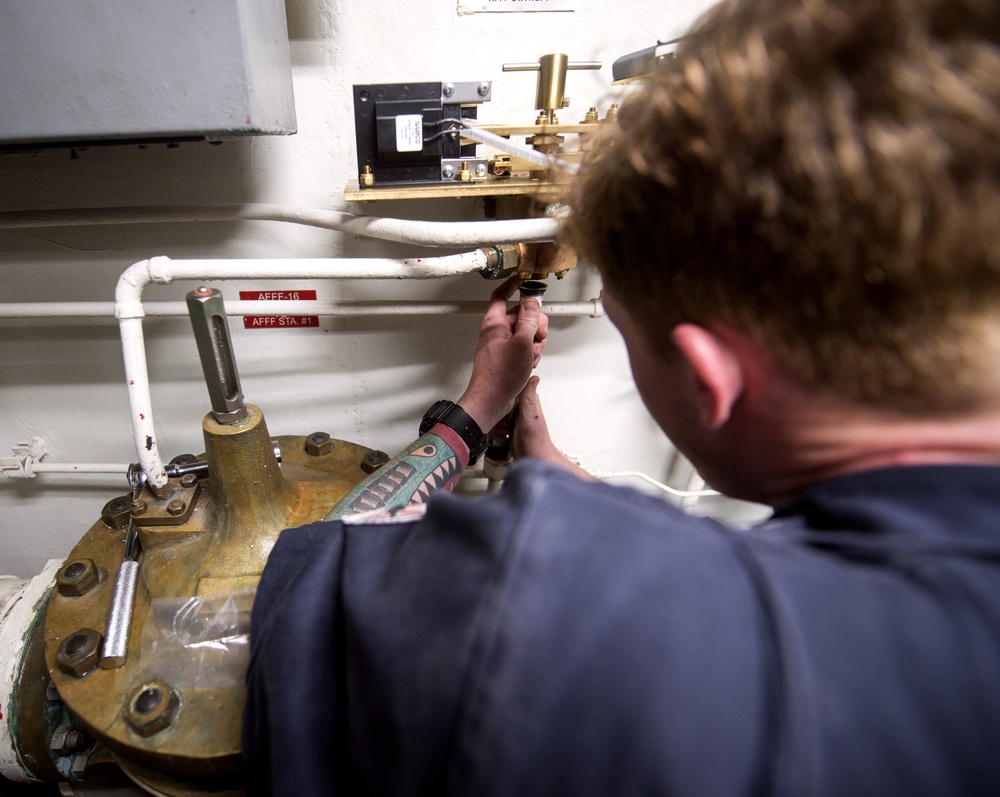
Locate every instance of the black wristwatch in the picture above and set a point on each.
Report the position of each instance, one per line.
(454, 417)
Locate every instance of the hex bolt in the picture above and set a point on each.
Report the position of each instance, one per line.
(115, 512)
(152, 707)
(484, 89)
(189, 480)
(138, 507)
(67, 740)
(374, 460)
(77, 578)
(176, 507)
(79, 653)
(319, 444)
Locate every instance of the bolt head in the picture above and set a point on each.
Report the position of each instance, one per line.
(79, 653)
(448, 89)
(319, 444)
(189, 480)
(480, 170)
(374, 460)
(152, 707)
(77, 578)
(115, 512)
(484, 89)
(447, 172)
(176, 507)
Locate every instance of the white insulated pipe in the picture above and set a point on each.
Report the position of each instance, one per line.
(162, 270)
(452, 234)
(240, 307)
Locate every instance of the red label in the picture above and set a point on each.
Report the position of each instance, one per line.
(278, 321)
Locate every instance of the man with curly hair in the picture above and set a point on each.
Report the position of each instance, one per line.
(797, 222)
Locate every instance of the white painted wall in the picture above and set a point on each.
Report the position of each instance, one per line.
(362, 380)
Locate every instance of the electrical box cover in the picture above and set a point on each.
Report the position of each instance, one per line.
(106, 71)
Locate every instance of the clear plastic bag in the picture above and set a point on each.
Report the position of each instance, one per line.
(202, 641)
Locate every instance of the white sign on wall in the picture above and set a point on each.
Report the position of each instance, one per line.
(498, 6)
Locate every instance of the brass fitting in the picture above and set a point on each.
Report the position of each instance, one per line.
(464, 175)
(366, 179)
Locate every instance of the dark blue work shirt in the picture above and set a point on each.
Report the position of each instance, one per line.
(569, 638)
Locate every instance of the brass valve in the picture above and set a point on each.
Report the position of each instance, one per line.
(551, 69)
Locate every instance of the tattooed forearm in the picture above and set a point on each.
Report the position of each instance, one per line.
(428, 465)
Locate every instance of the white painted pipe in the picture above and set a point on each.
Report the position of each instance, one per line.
(162, 270)
(78, 467)
(106, 310)
(423, 233)
(19, 602)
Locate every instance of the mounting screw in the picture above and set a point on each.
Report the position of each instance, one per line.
(484, 89)
(480, 170)
(448, 89)
(447, 171)
(77, 578)
(152, 707)
(115, 512)
(373, 461)
(319, 444)
(79, 653)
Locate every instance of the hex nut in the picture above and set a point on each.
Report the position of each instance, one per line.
(319, 444)
(115, 513)
(374, 460)
(77, 578)
(176, 507)
(189, 480)
(152, 707)
(79, 653)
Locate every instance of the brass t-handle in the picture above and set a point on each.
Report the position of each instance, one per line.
(551, 71)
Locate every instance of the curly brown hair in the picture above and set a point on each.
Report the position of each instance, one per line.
(823, 175)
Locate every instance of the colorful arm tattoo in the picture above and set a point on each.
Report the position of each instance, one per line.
(430, 464)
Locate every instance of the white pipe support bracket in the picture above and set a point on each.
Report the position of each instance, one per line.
(26, 455)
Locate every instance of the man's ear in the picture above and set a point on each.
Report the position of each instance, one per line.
(717, 369)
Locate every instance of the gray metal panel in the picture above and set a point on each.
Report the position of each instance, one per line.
(93, 70)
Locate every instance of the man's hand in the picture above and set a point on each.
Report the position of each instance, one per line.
(531, 433)
(510, 345)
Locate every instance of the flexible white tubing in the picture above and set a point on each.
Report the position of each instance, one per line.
(129, 312)
(20, 310)
(424, 233)
(527, 153)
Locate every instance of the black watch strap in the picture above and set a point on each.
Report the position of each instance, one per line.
(457, 419)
